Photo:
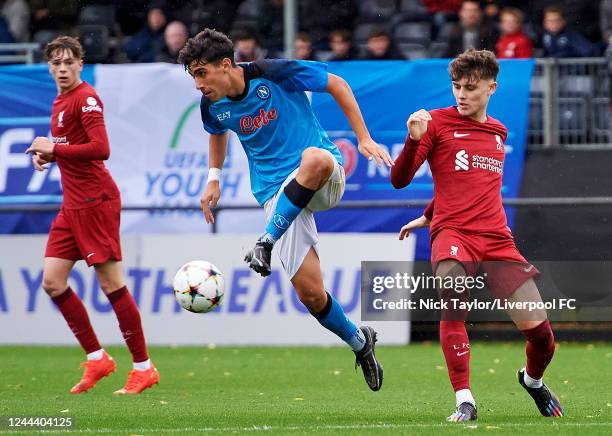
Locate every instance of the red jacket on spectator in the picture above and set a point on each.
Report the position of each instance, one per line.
(514, 45)
(434, 6)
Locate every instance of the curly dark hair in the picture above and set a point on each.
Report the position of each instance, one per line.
(208, 46)
(62, 43)
(474, 65)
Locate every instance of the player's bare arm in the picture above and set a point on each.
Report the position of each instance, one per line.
(417, 124)
(343, 95)
(212, 193)
(418, 223)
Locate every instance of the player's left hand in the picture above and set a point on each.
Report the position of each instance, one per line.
(372, 150)
(40, 161)
(41, 145)
(418, 223)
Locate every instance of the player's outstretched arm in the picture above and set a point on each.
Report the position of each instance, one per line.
(343, 95)
(416, 149)
(418, 223)
(217, 150)
(421, 222)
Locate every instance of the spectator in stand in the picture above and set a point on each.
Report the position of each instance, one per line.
(5, 35)
(491, 10)
(17, 15)
(144, 44)
(605, 20)
(246, 46)
(471, 31)
(175, 37)
(513, 43)
(53, 15)
(381, 47)
(319, 17)
(442, 12)
(303, 49)
(558, 40)
(341, 43)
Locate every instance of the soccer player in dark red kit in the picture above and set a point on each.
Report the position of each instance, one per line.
(465, 150)
(87, 225)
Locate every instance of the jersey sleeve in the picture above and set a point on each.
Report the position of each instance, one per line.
(294, 75)
(211, 124)
(90, 111)
(429, 210)
(412, 157)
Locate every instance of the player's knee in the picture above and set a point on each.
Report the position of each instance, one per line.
(54, 287)
(314, 301)
(109, 286)
(316, 162)
(528, 324)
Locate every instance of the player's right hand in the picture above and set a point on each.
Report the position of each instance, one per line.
(39, 162)
(417, 124)
(209, 199)
(418, 223)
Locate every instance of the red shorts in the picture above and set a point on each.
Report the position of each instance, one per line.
(496, 256)
(91, 234)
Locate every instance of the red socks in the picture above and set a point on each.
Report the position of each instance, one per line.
(456, 348)
(129, 322)
(540, 349)
(75, 314)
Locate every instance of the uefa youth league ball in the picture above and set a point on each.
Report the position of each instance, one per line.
(199, 286)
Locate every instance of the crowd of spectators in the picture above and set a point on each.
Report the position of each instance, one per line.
(155, 30)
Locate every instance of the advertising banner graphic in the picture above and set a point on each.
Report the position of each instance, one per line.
(159, 150)
(255, 310)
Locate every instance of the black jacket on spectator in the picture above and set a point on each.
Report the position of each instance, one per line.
(143, 45)
(350, 56)
(391, 54)
(487, 37)
(566, 44)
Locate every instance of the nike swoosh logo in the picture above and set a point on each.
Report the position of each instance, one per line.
(460, 135)
(528, 268)
(461, 354)
(90, 254)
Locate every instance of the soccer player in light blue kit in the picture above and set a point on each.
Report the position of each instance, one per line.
(294, 167)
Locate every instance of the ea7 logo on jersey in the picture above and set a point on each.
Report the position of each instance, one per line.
(224, 115)
(263, 92)
(461, 161)
(93, 105)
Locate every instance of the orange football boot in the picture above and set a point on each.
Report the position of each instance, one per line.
(94, 371)
(138, 381)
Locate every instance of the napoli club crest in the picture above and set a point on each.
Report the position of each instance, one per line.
(348, 150)
(263, 92)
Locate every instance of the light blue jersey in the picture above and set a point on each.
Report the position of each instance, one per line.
(273, 119)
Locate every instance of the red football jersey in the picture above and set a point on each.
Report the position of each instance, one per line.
(81, 144)
(515, 45)
(466, 158)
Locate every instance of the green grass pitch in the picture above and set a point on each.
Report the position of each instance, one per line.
(255, 390)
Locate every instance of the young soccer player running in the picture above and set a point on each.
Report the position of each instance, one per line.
(87, 225)
(465, 150)
(294, 167)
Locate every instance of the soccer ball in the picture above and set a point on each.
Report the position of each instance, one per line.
(199, 286)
